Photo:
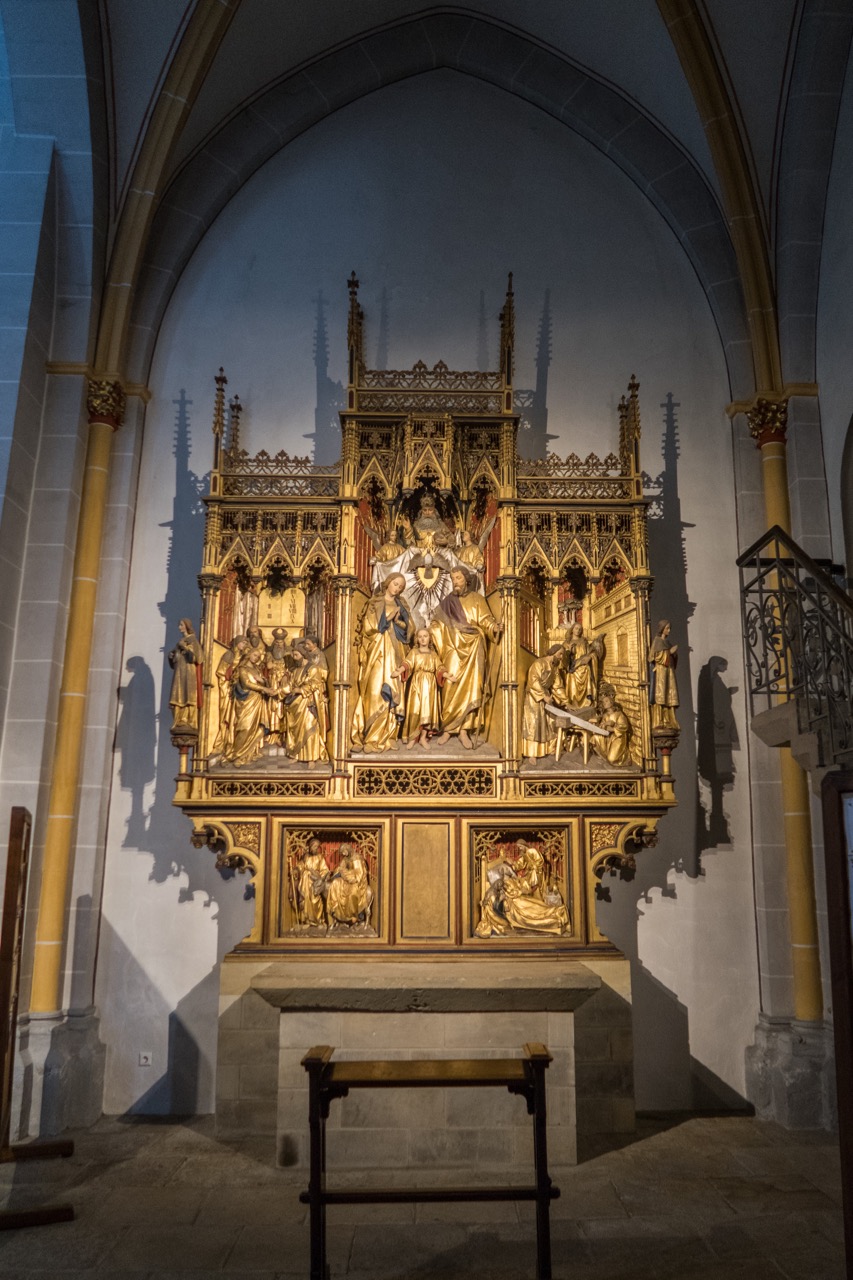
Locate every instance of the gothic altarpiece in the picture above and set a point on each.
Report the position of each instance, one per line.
(425, 711)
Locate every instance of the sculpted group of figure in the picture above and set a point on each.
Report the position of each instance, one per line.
(422, 683)
(326, 900)
(272, 695)
(567, 679)
(518, 897)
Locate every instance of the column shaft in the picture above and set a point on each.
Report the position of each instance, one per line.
(768, 420)
(106, 406)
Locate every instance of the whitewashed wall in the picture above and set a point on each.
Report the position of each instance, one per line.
(431, 190)
(835, 329)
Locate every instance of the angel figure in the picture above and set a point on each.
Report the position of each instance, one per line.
(384, 552)
(471, 552)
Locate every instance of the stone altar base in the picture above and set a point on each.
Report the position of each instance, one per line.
(271, 1014)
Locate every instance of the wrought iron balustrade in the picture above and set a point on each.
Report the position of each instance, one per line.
(798, 634)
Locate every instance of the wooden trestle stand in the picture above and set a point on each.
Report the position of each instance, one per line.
(328, 1080)
(11, 934)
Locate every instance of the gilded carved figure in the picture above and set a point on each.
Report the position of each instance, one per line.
(312, 881)
(519, 899)
(186, 662)
(430, 532)
(384, 552)
(306, 704)
(663, 690)
(226, 669)
(462, 628)
(471, 552)
(545, 684)
(422, 672)
(583, 665)
(386, 632)
(256, 642)
(350, 897)
(279, 665)
(613, 748)
(251, 716)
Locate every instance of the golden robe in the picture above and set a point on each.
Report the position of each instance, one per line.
(349, 894)
(185, 696)
(250, 715)
(306, 710)
(461, 628)
(224, 677)
(378, 711)
(538, 729)
(581, 675)
(615, 748)
(663, 690)
(313, 874)
(472, 557)
(422, 704)
(279, 668)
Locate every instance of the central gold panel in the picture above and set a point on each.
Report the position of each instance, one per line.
(425, 880)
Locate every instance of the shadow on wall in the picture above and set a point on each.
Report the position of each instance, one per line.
(668, 558)
(136, 745)
(143, 743)
(717, 741)
(655, 1014)
(667, 1075)
(160, 832)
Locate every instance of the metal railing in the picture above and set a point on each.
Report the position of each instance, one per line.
(798, 635)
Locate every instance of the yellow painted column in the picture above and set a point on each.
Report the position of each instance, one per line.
(105, 405)
(768, 421)
(802, 907)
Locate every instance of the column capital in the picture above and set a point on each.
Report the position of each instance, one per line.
(106, 401)
(768, 420)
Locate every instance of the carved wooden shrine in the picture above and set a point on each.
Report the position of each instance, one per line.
(427, 715)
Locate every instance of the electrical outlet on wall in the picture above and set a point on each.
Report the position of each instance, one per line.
(146, 1058)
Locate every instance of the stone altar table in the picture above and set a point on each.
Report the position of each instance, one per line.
(271, 1014)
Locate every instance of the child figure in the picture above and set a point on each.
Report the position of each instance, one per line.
(424, 672)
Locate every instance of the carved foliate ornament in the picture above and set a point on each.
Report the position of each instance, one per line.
(106, 401)
(768, 421)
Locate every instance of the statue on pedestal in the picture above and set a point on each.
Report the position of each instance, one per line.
(186, 662)
(663, 690)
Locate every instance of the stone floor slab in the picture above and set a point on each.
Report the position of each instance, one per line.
(682, 1199)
